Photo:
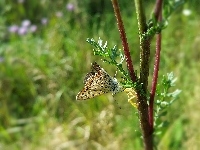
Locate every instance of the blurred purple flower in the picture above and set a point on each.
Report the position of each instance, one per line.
(70, 7)
(22, 30)
(59, 14)
(13, 29)
(33, 28)
(44, 21)
(26, 23)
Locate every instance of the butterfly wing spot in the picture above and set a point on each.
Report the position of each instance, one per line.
(88, 76)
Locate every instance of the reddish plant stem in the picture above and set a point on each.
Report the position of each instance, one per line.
(124, 40)
(156, 65)
(154, 80)
(157, 9)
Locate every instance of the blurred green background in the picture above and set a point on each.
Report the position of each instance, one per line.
(44, 57)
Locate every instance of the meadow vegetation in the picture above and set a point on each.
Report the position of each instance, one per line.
(44, 57)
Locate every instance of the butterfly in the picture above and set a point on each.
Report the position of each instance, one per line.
(98, 82)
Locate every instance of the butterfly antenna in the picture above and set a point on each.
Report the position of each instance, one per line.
(116, 101)
(118, 104)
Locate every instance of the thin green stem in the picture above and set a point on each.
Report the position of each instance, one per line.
(144, 45)
(144, 73)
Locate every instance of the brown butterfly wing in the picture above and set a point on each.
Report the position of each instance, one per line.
(91, 89)
(96, 82)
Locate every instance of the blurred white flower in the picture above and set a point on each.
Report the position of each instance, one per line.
(33, 28)
(1, 59)
(44, 21)
(21, 1)
(187, 12)
(59, 14)
(26, 23)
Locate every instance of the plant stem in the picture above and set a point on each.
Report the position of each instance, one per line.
(124, 40)
(144, 73)
(158, 9)
(158, 16)
(155, 78)
(144, 45)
